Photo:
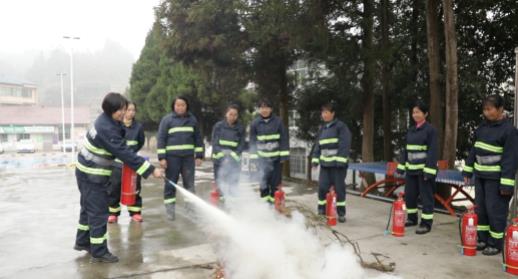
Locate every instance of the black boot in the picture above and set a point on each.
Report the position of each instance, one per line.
(106, 258)
(410, 223)
(82, 248)
(341, 218)
(481, 245)
(423, 229)
(491, 251)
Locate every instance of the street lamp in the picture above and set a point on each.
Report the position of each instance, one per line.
(71, 38)
(61, 75)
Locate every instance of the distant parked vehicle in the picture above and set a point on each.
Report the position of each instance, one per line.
(25, 146)
(69, 145)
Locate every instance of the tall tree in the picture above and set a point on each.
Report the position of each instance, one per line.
(434, 83)
(386, 47)
(145, 73)
(368, 81)
(274, 28)
(452, 87)
(206, 37)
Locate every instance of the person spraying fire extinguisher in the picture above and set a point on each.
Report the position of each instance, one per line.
(103, 143)
(331, 152)
(493, 161)
(134, 135)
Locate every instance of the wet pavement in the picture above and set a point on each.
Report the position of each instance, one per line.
(40, 207)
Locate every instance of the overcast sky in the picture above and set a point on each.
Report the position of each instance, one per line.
(39, 25)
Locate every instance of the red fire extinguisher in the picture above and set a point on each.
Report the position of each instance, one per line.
(398, 214)
(279, 199)
(128, 185)
(331, 207)
(511, 248)
(468, 232)
(214, 195)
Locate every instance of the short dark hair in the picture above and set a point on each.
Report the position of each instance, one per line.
(494, 100)
(232, 106)
(183, 98)
(329, 106)
(264, 103)
(421, 105)
(132, 103)
(113, 102)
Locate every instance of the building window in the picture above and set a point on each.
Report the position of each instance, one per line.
(3, 137)
(23, 136)
(298, 160)
(27, 93)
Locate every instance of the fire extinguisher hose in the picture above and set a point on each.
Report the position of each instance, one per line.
(389, 218)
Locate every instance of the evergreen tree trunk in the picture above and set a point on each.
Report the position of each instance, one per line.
(432, 35)
(385, 81)
(452, 87)
(367, 84)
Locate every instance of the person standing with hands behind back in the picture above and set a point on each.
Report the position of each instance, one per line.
(178, 143)
(420, 164)
(493, 161)
(332, 153)
(269, 147)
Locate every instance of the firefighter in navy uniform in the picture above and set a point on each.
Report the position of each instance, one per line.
(178, 144)
(269, 146)
(228, 140)
(420, 165)
(104, 142)
(134, 135)
(332, 153)
(493, 161)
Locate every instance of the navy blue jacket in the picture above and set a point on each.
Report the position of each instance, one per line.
(421, 151)
(227, 141)
(333, 146)
(269, 139)
(134, 135)
(103, 143)
(179, 136)
(493, 156)
(135, 139)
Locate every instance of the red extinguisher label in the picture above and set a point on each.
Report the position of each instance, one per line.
(513, 247)
(471, 233)
(399, 218)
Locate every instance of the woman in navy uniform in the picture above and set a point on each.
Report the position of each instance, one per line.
(179, 148)
(493, 161)
(269, 147)
(135, 138)
(228, 140)
(331, 152)
(420, 165)
(103, 143)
